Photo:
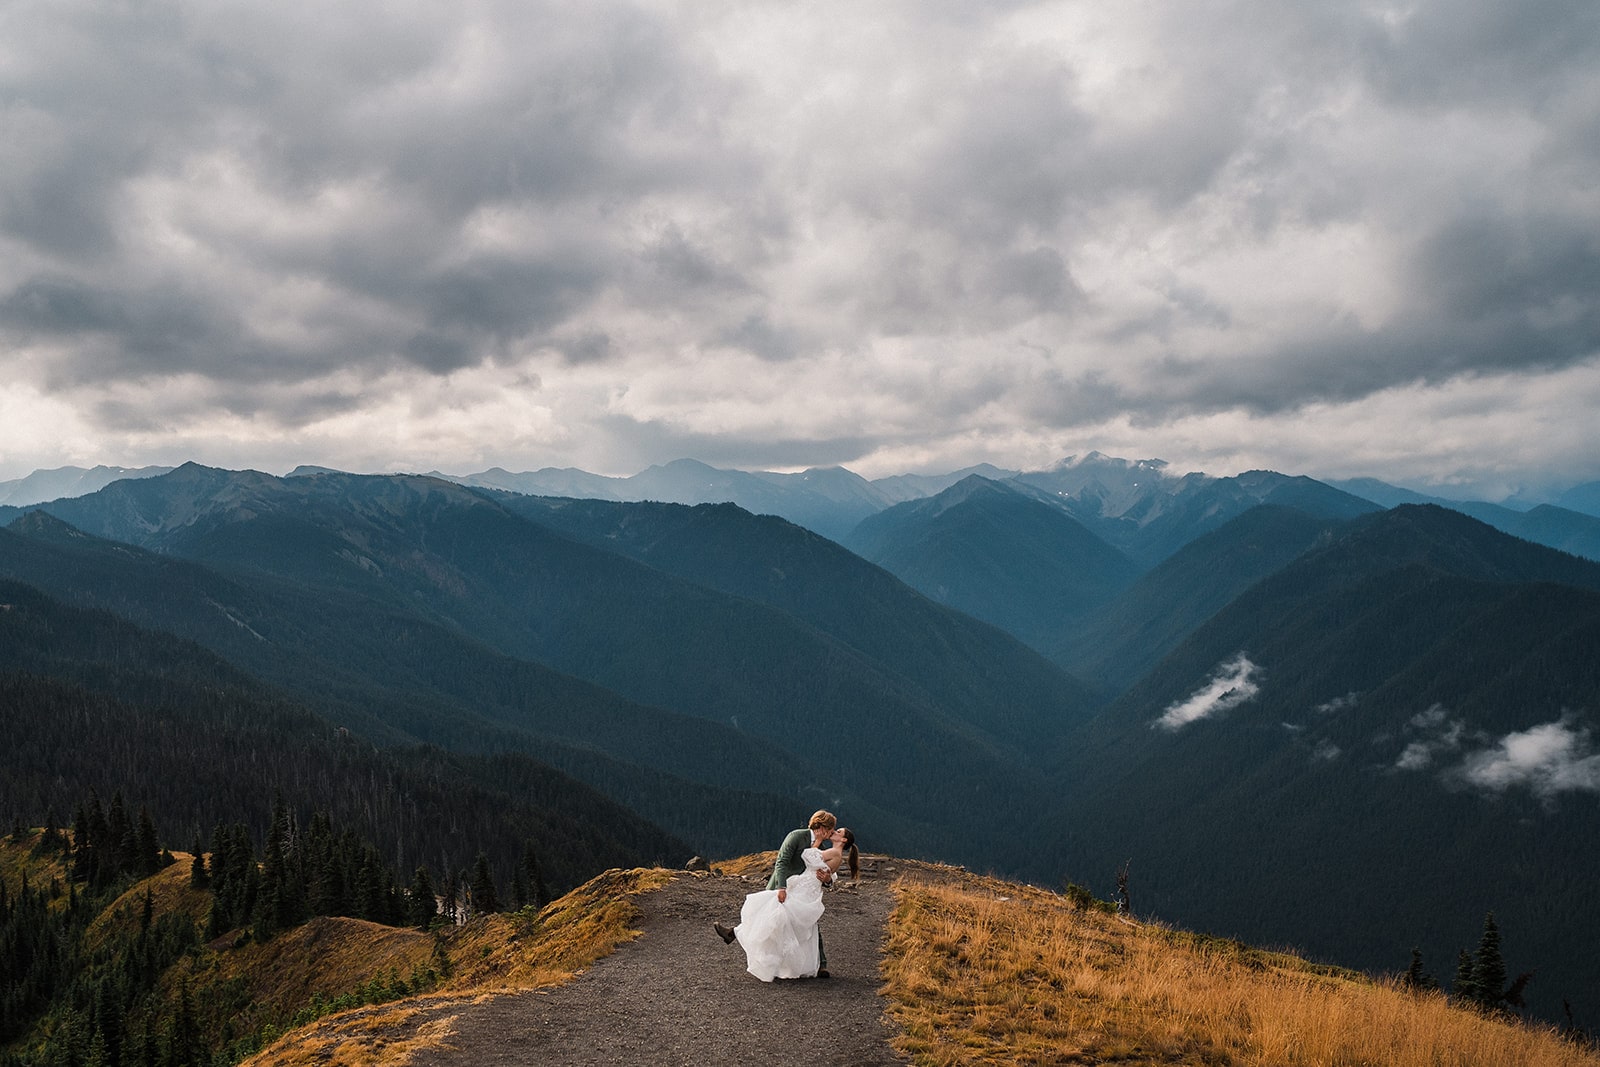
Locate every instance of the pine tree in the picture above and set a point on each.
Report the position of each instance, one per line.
(198, 878)
(1488, 969)
(451, 896)
(120, 848)
(1465, 987)
(1415, 978)
(484, 898)
(520, 894)
(147, 849)
(83, 851)
(424, 906)
(185, 1043)
(539, 892)
(270, 904)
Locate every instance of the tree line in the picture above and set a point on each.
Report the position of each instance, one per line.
(67, 1000)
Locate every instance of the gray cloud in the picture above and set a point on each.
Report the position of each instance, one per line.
(1231, 684)
(1548, 759)
(925, 234)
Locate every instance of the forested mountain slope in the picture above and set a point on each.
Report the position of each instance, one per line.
(1367, 749)
(91, 704)
(1123, 639)
(774, 562)
(397, 679)
(428, 552)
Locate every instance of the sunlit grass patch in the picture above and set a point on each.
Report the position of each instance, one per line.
(986, 972)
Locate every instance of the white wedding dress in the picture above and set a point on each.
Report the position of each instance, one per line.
(780, 940)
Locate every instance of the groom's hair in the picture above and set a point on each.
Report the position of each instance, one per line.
(822, 820)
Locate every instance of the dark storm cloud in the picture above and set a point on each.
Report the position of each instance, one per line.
(437, 124)
(1489, 295)
(113, 332)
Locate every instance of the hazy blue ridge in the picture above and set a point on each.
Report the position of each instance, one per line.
(987, 550)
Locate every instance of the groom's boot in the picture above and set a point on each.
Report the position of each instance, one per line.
(723, 932)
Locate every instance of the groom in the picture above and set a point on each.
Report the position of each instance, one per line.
(812, 835)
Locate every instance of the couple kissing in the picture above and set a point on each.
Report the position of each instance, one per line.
(778, 926)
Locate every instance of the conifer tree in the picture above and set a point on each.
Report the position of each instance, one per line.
(270, 902)
(185, 1043)
(1415, 978)
(148, 1054)
(539, 892)
(484, 898)
(1488, 969)
(51, 841)
(1466, 986)
(83, 853)
(520, 893)
(147, 849)
(451, 898)
(198, 878)
(98, 1055)
(119, 853)
(424, 906)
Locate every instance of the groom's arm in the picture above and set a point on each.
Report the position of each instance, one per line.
(789, 858)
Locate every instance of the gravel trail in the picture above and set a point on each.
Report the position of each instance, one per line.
(678, 995)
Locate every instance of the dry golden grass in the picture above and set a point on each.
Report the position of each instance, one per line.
(385, 1036)
(755, 865)
(169, 890)
(489, 956)
(986, 972)
(504, 952)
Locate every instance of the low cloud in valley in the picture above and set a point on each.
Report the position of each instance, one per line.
(1234, 682)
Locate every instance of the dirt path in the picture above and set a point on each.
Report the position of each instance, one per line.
(678, 995)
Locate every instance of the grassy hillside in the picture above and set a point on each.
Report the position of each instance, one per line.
(982, 971)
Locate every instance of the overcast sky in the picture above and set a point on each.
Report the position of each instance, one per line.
(1327, 238)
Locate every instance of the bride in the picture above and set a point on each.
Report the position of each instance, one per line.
(778, 927)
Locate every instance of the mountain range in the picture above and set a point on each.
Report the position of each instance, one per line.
(399, 600)
(43, 485)
(1297, 712)
(1122, 500)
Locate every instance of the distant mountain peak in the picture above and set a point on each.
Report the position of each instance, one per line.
(1100, 459)
(686, 464)
(42, 526)
(975, 485)
(65, 482)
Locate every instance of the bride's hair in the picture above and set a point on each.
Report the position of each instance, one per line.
(849, 846)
